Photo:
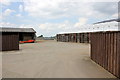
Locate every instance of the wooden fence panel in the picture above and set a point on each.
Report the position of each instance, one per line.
(105, 50)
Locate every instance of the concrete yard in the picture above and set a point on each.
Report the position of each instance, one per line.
(51, 59)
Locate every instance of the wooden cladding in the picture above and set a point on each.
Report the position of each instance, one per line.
(105, 50)
(9, 41)
(74, 37)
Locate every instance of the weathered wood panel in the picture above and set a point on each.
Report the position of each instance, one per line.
(105, 51)
(10, 41)
(74, 37)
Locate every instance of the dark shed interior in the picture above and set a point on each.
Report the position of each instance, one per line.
(26, 36)
(10, 37)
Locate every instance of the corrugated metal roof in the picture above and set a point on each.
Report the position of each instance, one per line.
(116, 20)
(102, 27)
(17, 30)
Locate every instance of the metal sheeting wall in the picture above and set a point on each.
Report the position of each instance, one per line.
(10, 41)
(74, 37)
(105, 50)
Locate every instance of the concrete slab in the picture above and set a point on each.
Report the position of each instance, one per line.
(51, 59)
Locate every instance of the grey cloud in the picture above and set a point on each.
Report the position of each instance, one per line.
(108, 8)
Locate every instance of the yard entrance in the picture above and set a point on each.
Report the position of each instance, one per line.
(51, 59)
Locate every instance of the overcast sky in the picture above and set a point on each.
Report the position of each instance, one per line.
(49, 17)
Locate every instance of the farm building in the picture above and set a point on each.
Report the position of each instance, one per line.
(104, 38)
(74, 37)
(10, 37)
(105, 46)
(27, 34)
